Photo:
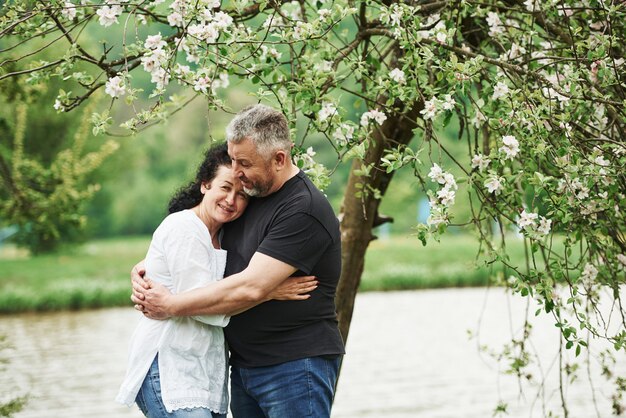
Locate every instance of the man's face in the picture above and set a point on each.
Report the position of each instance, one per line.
(251, 168)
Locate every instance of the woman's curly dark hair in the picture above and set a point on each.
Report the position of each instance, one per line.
(190, 196)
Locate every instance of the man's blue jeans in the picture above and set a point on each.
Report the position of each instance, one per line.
(300, 388)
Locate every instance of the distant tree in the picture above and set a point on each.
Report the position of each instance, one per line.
(46, 200)
(537, 90)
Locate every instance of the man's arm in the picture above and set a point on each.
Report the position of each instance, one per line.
(238, 292)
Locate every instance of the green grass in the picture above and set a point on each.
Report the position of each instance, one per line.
(92, 276)
(403, 263)
(97, 274)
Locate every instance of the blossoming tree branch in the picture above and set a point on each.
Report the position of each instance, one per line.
(535, 89)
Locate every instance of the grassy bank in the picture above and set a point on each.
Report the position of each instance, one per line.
(97, 273)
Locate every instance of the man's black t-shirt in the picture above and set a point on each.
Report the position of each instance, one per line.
(297, 226)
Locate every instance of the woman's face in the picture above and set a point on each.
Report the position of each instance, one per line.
(224, 199)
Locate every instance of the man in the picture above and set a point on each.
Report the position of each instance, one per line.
(285, 355)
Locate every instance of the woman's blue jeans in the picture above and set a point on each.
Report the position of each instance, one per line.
(151, 404)
(295, 389)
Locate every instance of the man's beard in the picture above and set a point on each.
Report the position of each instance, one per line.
(259, 189)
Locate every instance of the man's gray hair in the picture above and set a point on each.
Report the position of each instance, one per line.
(266, 127)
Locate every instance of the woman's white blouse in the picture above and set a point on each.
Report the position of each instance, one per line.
(192, 352)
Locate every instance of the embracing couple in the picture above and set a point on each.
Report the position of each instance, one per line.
(254, 219)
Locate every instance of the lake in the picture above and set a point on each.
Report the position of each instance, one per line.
(409, 354)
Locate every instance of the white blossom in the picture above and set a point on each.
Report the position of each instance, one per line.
(441, 34)
(532, 5)
(221, 82)
(207, 33)
(58, 106)
(494, 184)
(544, 226)
(449, 181)
(480, 161)
(154, 42)
(222, 20)
(323, 13)
(202, 84)
(589, 274)
(527, 220)
(69, 10)
(602, 162)
(446, 196)
(175, 19)
(436, 218)
(343, 133)
(510, 147)
(430, 109)
(108, 15)
(397, 75)
(479, 118)
(210, 4)
(436, 174)
(115, 87)
(495, 24)
(328, 110)
(500, 90)
(448, 102)
(378, 116)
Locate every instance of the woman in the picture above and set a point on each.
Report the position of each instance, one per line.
(178, 367)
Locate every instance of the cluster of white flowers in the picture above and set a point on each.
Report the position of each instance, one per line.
(589, 274)
(480, 161)
(392, 16)
(343, 134)
(155, 60)
(495, 24)
(115, 87)
(532, 5)
(444, 197)
(374, 114)
(69, 10)
(302, 30)
(397, 75)
(108, 14)
(510, 147)
(500, 90)
(574, 187)
(58, 106)
(552, 94)
(494, 183)
(479, 118)
(327, 111)
(203, 81)
(267, 51)
(434, 105)
(324, 14)
(516, 51)
(306, 159)
(534, 224)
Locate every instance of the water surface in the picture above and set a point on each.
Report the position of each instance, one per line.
(409, 355)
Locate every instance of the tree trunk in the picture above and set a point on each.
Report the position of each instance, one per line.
(360, 214)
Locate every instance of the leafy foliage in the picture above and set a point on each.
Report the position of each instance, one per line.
(46, 202)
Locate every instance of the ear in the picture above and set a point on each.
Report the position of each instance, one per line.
(204, 187)
(280, 159)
